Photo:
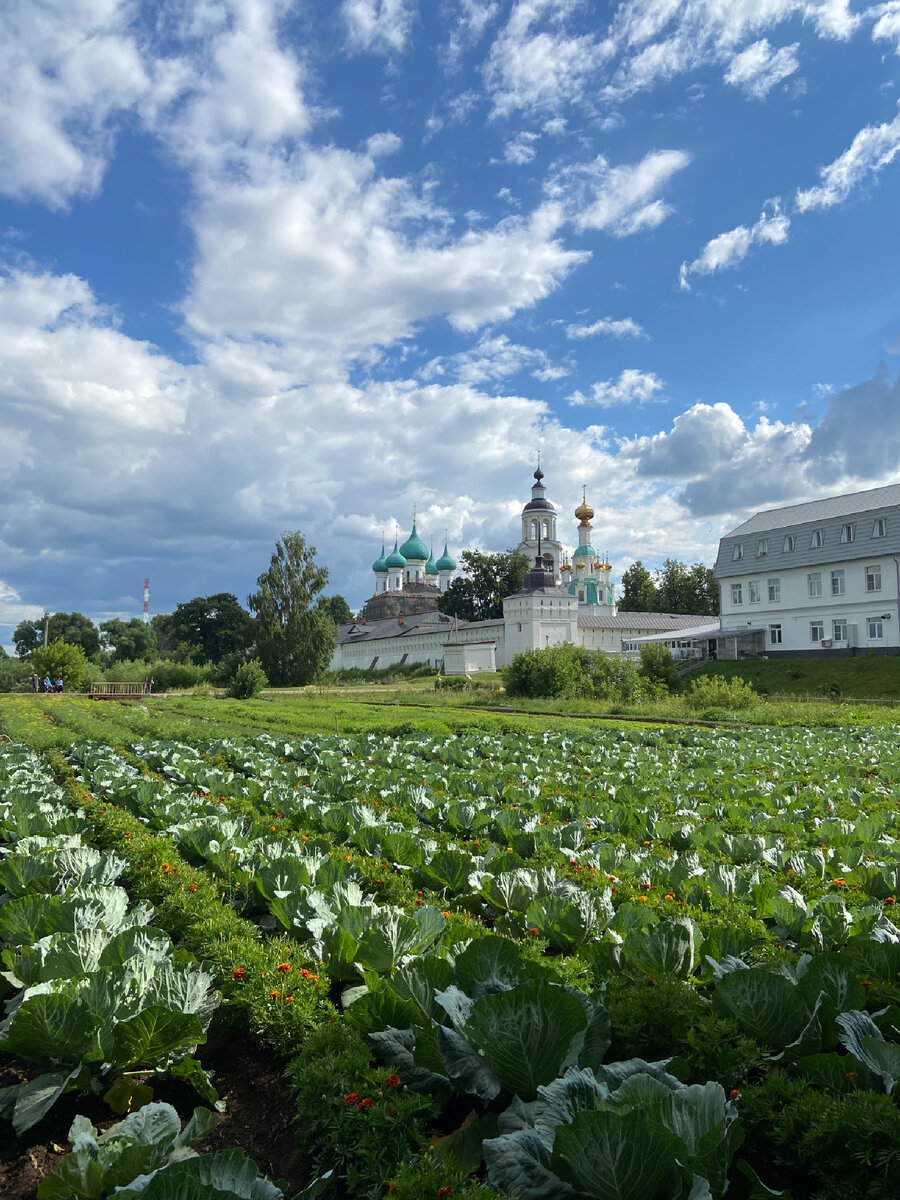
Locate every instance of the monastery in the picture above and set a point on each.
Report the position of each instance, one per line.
(561, 601)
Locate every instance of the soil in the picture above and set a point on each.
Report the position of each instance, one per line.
(259, 1117)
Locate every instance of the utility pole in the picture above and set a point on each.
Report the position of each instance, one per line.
(46, 628)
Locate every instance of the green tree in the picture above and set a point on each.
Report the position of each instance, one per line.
(15, 675)
(294, 637)
(248, 680)
(62, 660)
(215, 626)
(640, 590)
(683, 589)
(658, 665)
(478, 595)
(129, 640)
(337, 608)
(74, 628)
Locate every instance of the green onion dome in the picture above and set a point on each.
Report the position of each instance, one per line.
(380, 564)
(585, 552)
(414, 549)
(395, 558)
(430, 566)
(446, 562)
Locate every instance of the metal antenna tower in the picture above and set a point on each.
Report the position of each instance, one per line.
(146, 616)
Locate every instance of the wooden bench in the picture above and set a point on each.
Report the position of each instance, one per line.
(115, 691)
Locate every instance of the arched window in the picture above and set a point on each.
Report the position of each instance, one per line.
(546, 529)
(534, 530)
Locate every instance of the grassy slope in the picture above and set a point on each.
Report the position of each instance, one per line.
(862, 677)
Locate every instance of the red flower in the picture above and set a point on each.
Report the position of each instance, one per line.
(392, 1081)
(534, 931)
(889, 900)
(866, 984)
(365, 1104)
(734, 1093)
(446, 1190)
(352, 1098)
(283, 968)
(237, 973)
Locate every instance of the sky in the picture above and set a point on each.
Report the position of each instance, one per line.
(270, 265)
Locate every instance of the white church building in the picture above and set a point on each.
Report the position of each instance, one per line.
(560, 602)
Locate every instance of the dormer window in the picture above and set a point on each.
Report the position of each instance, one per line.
(816, 539)
(763, 548)
(738, 551)
(790, 543)
(879, 529)
(848, 532)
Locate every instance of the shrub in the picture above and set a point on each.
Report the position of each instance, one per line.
(658, 665)
(715, 691)
(572, 672)
(15, 674)
(62, 660)
(248, 680)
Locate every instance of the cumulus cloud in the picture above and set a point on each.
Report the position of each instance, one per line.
(620, 200)
(541, 69)
(520, 149)
(495, 357)
(371, 252)
(608, 327)
(887, 25)
(378, 26)
(68, 70)
(759, 67)
(872, 149)
(734, 245)
(631, 387)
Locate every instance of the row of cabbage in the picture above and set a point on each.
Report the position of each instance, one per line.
(533, 835)
(99, 1001)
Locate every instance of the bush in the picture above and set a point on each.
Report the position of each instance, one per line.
(62, 660)
(248, 680)
(658, 666)
(15, 674)
(571, 672)
(165, 674)
(715, 691)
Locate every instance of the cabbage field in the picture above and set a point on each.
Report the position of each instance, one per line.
(614, 963)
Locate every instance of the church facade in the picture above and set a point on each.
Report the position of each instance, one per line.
(561, 602)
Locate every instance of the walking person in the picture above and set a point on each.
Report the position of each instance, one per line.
(35, 682)
(48, 686)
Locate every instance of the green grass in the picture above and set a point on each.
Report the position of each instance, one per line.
(862, 677)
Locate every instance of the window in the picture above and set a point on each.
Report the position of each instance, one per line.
(879, 529)
(816, 631)
(848, 532)
(876, 627)
(839, 629)
(755, 594)
(790, 543)
(838, 584)
(775, 635)
(737, 552)
(737, 594)
(814, 583)
(774, 591)
(873, 578)
(763, 548)
(816, 539)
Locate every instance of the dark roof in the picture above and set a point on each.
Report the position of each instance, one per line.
(658, 622)
(387, 627)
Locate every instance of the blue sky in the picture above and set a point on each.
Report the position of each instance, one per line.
(269, 265)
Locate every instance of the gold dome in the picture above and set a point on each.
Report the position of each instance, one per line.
(566, 566)
(584, 512)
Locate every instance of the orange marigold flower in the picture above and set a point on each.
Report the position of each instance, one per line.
(445, 913)
(420, 902)
(288, 1000)
(534, 931)
(669, 896)
(446, 1190)
(308, 975)
(642, 899)
(889, 899)
(837, 883)
(192, 887)
(392, 1186)
(283, 968)
(365, 1104)
(392, 1080)
(237, 973)
(865, 983)
(352, 1098)
(274, 995)
(734, 1093)
(165, 867)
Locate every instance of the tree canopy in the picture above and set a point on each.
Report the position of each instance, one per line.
(74, 628)
(214, 627)
(295, 638)
(337, 608)
(129, 640)
(676, 588)
(478, 594)
(62, 660)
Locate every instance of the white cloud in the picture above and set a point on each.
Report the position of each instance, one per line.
(608, 326)
(495, 357)
(378, 26)
(520, 149)
(632, 387)
(887, 26)
(371, 252)
(541, 70)
(873, 148)
(619, 200)
(68, 69)
(758, 68)
(734, 245)
(472, 18)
